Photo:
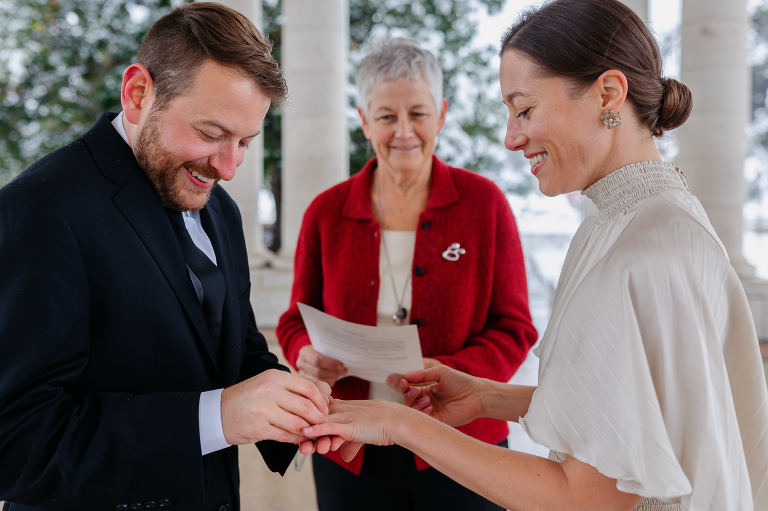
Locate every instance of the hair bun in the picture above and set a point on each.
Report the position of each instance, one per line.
(676, 106)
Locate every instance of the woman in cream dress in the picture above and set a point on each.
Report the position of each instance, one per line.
(651, 390)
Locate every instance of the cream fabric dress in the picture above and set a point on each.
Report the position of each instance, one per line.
(650, 369)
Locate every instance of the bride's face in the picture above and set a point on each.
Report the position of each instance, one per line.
(558, 129)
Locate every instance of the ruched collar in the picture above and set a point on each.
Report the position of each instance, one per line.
(622, 189)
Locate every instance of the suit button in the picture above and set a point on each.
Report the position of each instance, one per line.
(137, 505)
(416, 322)
(150, 503)
(419, 271)
(426, 224)
(224, 507)
(164, 503)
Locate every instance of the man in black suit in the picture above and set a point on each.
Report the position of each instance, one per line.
(130, 361)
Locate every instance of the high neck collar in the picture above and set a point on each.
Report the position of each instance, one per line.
(624, 188)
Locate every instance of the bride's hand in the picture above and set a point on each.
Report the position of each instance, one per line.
(446, 394)
(354, 423)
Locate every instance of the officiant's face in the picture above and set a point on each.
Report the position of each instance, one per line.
(200, 137)
(556, 127)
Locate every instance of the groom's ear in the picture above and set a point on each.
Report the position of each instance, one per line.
(137, 93)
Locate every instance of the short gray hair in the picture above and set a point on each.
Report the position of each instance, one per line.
(395, 59)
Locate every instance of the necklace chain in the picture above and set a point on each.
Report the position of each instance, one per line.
(398, 317)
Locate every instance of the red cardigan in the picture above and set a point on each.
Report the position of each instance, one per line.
(472, 313)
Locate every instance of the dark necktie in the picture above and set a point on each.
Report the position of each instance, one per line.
(209, 274)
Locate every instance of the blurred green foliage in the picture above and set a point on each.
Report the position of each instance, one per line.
(61, 63)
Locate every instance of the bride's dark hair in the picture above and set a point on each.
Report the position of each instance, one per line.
(581, 39)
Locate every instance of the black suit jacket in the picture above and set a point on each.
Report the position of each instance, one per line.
(104, 350)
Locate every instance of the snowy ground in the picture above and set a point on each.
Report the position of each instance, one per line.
(546, 227)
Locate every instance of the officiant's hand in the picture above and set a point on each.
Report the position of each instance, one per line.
(312, 364)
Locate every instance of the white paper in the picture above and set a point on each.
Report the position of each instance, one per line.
(369, 352)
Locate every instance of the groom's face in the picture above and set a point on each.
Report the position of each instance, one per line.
(200, 137)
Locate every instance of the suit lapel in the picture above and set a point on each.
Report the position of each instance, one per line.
(142, 208)
(216, 229)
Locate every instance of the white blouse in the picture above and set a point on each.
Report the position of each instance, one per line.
(650, 369)
(400, 246)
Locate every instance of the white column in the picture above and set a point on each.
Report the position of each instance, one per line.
(713, 142)
(315, 135)
(244, 188)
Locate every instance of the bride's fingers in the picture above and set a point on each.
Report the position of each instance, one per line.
(423, 376)
(420, 404)
(336, 442)
(349, 450)
(325, 429)
(323, 445)
(410, 394)
(307, 447)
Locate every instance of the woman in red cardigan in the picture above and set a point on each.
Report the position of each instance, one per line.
(409, 240)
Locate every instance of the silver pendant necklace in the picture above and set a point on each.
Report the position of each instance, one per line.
(398, 317)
